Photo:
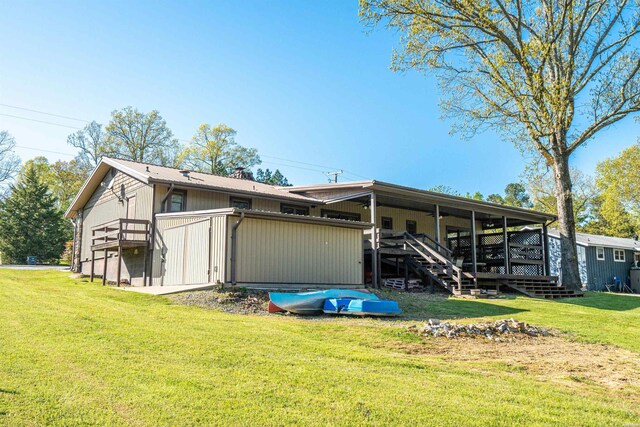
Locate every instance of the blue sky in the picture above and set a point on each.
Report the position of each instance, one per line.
(299, 80)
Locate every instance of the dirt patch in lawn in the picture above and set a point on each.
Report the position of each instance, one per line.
(237, 301)
(551, 358)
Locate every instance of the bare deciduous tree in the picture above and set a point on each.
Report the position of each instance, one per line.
(9, 161)
(141, 137)
(91, 143)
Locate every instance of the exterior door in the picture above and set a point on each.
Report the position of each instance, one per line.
(186, 254)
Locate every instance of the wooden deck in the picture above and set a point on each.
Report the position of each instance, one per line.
(434, 263)
(116, 235)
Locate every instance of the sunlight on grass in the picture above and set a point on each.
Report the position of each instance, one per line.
(75, 353)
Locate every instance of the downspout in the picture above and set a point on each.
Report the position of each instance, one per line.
(166, 196)
(234, 247)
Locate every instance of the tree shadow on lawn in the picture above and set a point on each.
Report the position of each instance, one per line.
(422, 309)
(605, 301)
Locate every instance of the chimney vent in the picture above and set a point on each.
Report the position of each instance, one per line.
(185, 173)
(241, 173)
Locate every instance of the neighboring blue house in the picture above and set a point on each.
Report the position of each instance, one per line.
(600, 258)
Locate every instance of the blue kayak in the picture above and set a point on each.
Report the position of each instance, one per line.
(312, 302)
(360, 307)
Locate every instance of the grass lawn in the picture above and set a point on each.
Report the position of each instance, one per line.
(74, 353)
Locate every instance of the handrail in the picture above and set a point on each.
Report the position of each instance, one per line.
(120, 220)
(118, 230)
(439, 245)
(451, 270)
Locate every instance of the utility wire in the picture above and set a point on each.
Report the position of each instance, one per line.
(45, 151)
(44, 112)
(324, 167)
(39, 121)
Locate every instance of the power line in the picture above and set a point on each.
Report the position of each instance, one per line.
(45, 151)
(39, 121)
(324, 167)
(44, 112)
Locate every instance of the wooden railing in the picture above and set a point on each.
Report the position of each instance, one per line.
(437, 261)
(121, 230)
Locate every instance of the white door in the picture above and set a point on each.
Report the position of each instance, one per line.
(186, 254)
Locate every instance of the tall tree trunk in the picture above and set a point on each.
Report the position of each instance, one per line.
(77, 243)
(570, 275)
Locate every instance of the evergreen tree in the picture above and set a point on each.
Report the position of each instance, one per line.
(31, 223)
(275, 178)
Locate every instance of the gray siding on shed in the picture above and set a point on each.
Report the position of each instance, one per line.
(603, 272)
(594, 273)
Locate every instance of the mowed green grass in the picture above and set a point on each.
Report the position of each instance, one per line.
(604, 318)
(75, 353)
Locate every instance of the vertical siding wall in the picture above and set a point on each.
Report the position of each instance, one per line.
(270, 251)
(602, 272)
(203, 200)
(424, 221)
(198, 200)
(104, 206)
(215, 243)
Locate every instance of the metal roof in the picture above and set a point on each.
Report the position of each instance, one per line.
(585, 239)
(149, 173)
(401, 196)
(412, 196)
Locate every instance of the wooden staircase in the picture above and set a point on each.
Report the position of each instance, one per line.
(539, 287)
(429, 263)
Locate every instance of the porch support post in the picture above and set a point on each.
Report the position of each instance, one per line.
(119, 269)
(146, 267)
(505, 238)
(104, 268)
(437, 224)
(374, 243)
(474, 259)
(93, 264)
(545, 249)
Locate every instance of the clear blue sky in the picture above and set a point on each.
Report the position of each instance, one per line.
(298, 80)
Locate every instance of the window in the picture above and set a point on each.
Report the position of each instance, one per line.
(178, 201)
(412, 227)
(387, 223)
(240, 203)
(340, 215)
(294, 210)
(618, 255)
(600, 253)
(636, 258)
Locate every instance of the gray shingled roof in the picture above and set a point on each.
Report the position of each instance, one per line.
(208, 181)
(585, 239)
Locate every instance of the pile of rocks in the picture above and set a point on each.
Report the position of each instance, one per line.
(500, 330)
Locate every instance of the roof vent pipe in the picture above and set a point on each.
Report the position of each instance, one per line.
(185, 173)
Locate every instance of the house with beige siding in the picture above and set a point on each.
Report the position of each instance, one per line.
(148, 225)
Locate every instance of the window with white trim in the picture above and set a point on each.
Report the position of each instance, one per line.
(618, 255)
(600, 253)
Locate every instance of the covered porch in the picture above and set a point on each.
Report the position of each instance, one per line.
(456, 242)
